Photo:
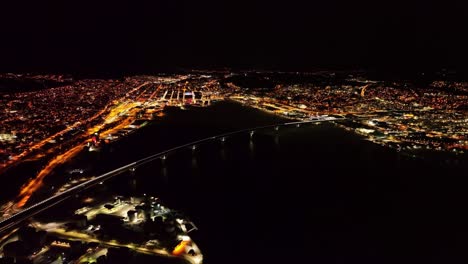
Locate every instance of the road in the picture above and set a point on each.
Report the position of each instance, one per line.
(120, 115)
(34, 209)
(59, 231)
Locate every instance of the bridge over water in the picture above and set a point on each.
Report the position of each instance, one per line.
(18, 218)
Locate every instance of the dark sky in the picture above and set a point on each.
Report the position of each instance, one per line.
(102, 35)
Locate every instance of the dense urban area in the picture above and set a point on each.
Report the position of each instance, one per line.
(37, 122)
(53, 118)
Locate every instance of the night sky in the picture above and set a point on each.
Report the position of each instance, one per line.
(148, 36)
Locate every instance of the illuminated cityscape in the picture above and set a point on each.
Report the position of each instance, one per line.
(227, 132)
(393, 114)
(78, 117)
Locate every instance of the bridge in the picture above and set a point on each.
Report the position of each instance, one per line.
(16, 219)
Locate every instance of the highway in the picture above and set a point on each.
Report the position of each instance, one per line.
(62, 153)
(16, 219)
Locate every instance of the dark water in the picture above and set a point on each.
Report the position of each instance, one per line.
(314, 194)
(175, 128)
(178, 127)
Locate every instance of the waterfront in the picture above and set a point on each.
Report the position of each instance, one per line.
(36, 159)
(229, 132)
(315, 192)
